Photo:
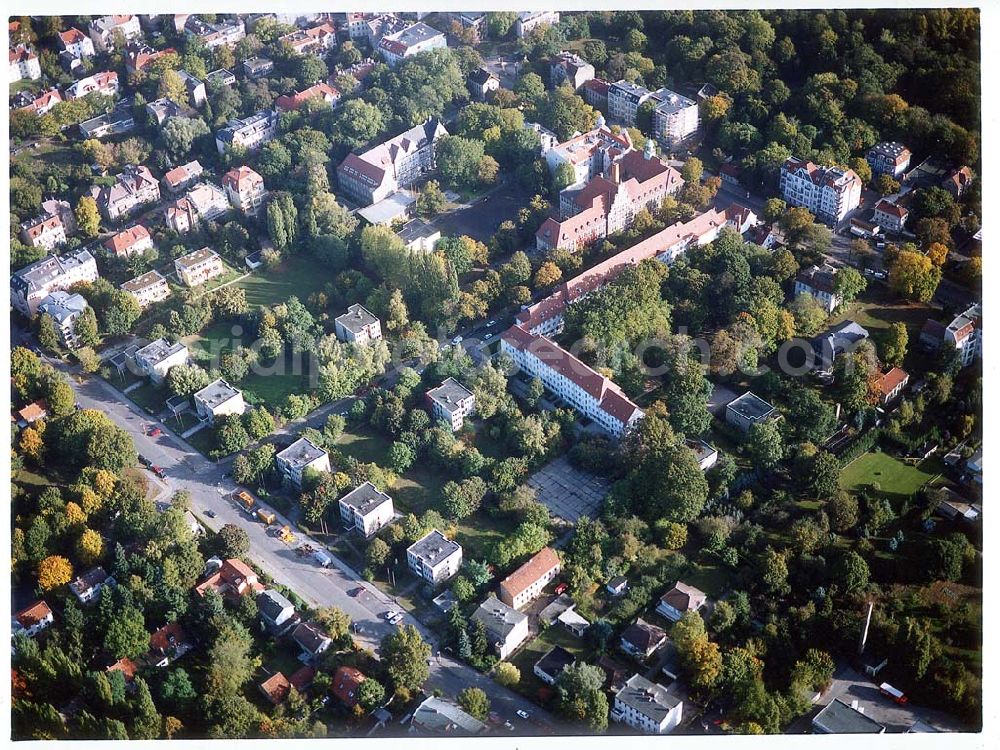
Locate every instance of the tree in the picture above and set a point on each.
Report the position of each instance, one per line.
(774, 572)
(371, 694)
(88, 219)
(848, 284)
(229, 664)
(500, 23)
(843, 511)
(233, 541)
(85, 328)
(334, 621)
(824, 474)
(230, 435)
(474, 702)
(126, 635)
(463, 499)
(54, 571)
(146, 720)
(401, 457)
(886, 185)
(581, 695)
(912, 275)
(506, 674)
(808, 313)
(186, 380)
(431, 200)
(894, 344)
(258, 422)
(774, 209)
(458, 161)
(180, 133)
(547, 275)
(405, 656)
(377, 554)
(765, 444)
(48, 334)
(938, 253)
(852, 572)
(90, 547)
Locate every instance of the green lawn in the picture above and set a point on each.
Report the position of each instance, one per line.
(150, 398)
(893, 477)
(525, 658)
(876, 309)
(712, 579)
(297, 276)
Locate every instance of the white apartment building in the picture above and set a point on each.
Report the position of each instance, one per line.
(358, 326)
(366, 510)
(591, 153)
(435, 558)
(527, 21)
(203, 202)
(24, 64)
(451, 402)
(527, 582)
(419, 236)
(105, 82)
(301, 455)
(76, 43)
(624, 100)
(506, 628)
(156, 358)
(218, 399)
(830, 193)
(198, 266)
(249, 133)
(33, 283)
(819, 282)
(889, 157)
(64, 309)
(675, 117)
(102, 30)
(45, 231)
(149, 288)
(410, 41)
(646, 706)
(890, 215)
(245, 189)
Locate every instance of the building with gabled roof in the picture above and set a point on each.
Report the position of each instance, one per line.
(647, 706)
(135, 188)
(528, 581)
(529, 20)
(316, 40)
(888, 157)
(231, 581)
(24, 64)
(104, 82)
(130, 241)
(819, 282)
(641, 639)
(102, 30)
(78, 44)
(680, 598)
(45, 231)
(891, 383)
(412, 40)
(275, 610)
(139, 56)
(957, 181)
(346, 685)
(249, 133)
(183, 176)
(830, 193)
(506, 628)
(551, 665)
(203, 202)
(843, 338)
(245, 189)
(442, 718)
(276, 688)
(570, 68)
(890, 215)
(38, 102)
(64, 309)
(322, 91)
(167, 644)
(311, 639)
(87, 586)
(33, 619)
(482, 83)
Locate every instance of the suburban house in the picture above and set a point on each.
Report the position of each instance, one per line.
(311, 639)
(358, 326)
(147, 289)
(705, 454)
(840, 718)
(439, 717)
(196, 90)
(33, 283)
(198, 266)
(346, 685)
(617, 586)
(102, 30)
(397, 163)
(412, 40)
(528, 581)
(451, 402)
(573, 621)
(76, 43)
(257, 67)
(419, 236)
(889, 157)
(890, 215)
(167, 644)
(44, 231)
(366, 509)
(301, 455)
(819, 282)
(321, 91)
(434, 558)
(964, 333)
(157, 357)
(132, 241)
(87, 587)
(245, 189)
(678, 599)
(181, 178)
(570, 68)
(506, 628)
(316, 40)
(203, 202)
(747, 410)
(139, 56)
(275, 610)
(276, 688)
(31, 413)
(830, 193)
(118, 120)
(841, 339)
(38, 102)
(646, 706)
(482, 83)
(231, 581)
(890, 384)
(551, 665)
(135, 188)
(641, 639)
(529, 20)
(104, 82)
(218, 399)
(957, 181)
(249, 133)
(32, 620)
(614, 672)
(955, 507)
(64, 309)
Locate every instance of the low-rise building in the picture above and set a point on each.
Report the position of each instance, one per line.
(840, 718)
(38, 102)
(890, 215)
(133, 240)
(346, 685)
(218, 399)
(442, 718)
(705, 454)
(275, 610)
(249, 133)
(32, 620)
(31, 413)
(148, 288)
(276, 688)
(24, 64)
(134, 189)
(316, 40)
(104, 82)
(358, 326)
(528, 581)
(33, 283)
(964, 333)
(311, 639)
(245, 189)
(482, 83)
(203, 202)
(226, 33)
(434, 557)
(76, 43)
(180, 178)
(641, 639)
(45, 231)
(679, 599)
(102, 30)
(119, 120)
(570, 68)
(506, 628)
(87, 586)
(547, 140)
(196, 90)
(64, 309)
(549, 667)
(167, 644)
(819, 282)
(419, 236)
(139, 56)
(747, 410)
(301, 455)
(891, 383)
(157, 357)
(595, 93)
(647, 706)
(366, 509)
(828, 192)
(529, 20)
(841, 339)
(321, 91)
(162, 109)
(891, 158)
(412, 40)
(198, 266)
(957, 181)
(257, 67)
(451, 402)
(232, 580)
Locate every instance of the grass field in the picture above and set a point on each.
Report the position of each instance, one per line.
(150, 398)
(526, 657)
(296, 276)
(892, 476)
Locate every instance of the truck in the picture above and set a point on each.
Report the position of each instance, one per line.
(323, 558)
(266, 516)
(244, 499)
(893, 693)
(286, 535)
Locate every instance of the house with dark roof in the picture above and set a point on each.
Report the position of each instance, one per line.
(840, 718)
(482, 83)
(88, 586)
(747, 410)
(366, 509)
(647, 706)
(167, 645)
(276, 611)
(451, 402)
(843, 338)
(679, 599)
(641, 639)
(311, 639)
(888, 157)
(551, 665)
(818, 282)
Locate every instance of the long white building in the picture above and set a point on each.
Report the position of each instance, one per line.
(828, 192)
(32, 284)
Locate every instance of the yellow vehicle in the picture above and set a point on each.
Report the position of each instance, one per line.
(286, 535)
(243, 498)
(266, 516)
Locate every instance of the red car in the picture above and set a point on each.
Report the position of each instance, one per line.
(158, 471)
(155, 432)
(561, 588)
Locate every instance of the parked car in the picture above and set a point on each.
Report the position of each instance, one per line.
(561, 588)
(144, 461)
(487, 337)
(388, 615)
(158, 471)
(210, 513)
(155, 432)
(396, 619)
(356, 591)
(457, 340)
(509, 726)
(523, 714)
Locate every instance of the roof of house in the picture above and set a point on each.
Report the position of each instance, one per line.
(38, 226)
(36, 275)
(891, 209)
(365, 498)
(820, 278)
(889, 381)
(356, 318)
(216, 393)
(371, 166)
(126, 666)
(555, 661)
(33, 613)
(71, 36)
(195, 257)
(148, 279)
(648, 698)
(301, 453)
(63, 306)
(289, 102)
(125, 239)
(345, 685)
(237, 175)
(840, 718)
(449, 394)
(309, 636)
(441, 717)
(34, 411)
(271, 603)
(481, 76)
(433, 548)
(598, 85)
(750, 406)
(613, 669)
(522, 578)
(169, 636)
(644, 635)
(302, 678)
(89, 580)
(183, 173)
(276, 688)
(835, 177)
(684, 598)
(417, 229)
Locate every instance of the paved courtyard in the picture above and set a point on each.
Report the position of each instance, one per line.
(482, 219)
(567, 492)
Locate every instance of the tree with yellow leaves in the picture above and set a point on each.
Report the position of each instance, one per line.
(547, 274)
(90, 547)
(171, 726)
(31, 444)
(90, 501)
(938, 253)
(104, 482)
(54, 571)
(74, 515)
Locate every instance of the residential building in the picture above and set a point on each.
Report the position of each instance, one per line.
(891, 158)
(38, 102)
(157, 357)
(24, 64)
(321, 91)
(440, 717)
(161, 110)
(33, 283)
(841, 339)
(617, 586)
(474, 20)
(224, 33)
(954, 507)
(675, 117)
(819, 282)
(31, 413)
(451, 402)
(257, 67)
(957, 181)
(705, 454)
(573, 621)
(482, 83)
(589, 154)
(64, 309)
(167, 644)
(275, 610)
(366, 509)
(311, 639)
(133, 240)
(679, 599)
(646, 706)
(595, 93)
(102, 31)
(197, 93)
(397, 163)
(747, 410)
(434, 557)
(105, 82)
(135, 188)
(221, 77)
(570, 68)
(551, 611)
(840, 718)
(614, 672)
(378, 27)
(830, 193)
(358, 326)
(218, 399)
(386, 212)
(198, 266)
(87, 587)
(547, 140)
(301, 455)
(249, 133)
(32, 620)
(551, 665)
(203, 202)
(641, 639)
(149, 288)
(412, 40)
(527, 582)
(45, 231)
(419, 236)
(76, 43)
(624, 100)
(276, 688)
(890, 216)
(316, 40)
(245, 189)
(233, 579)
(529, 20)
(506, 628)
(180, 178)
(346, 685)
(964, 333)
(117, 121)
(890, 384)
(138, 56)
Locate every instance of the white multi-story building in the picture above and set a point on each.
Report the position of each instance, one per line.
(24, 64)
(38, 102)
(198, 266)
(76, 43)
(134, 189)
(203, 202)
(419, 236)
(819, 282)
(64, 309)
(105, 82)
(528, 581)
(675, 117)
(226, 33)
(624, 100)
(218, 399)
(317, 40)
(149, 288)
(45, 231)
(249, 133)
(435, 558)
(591, 153)
(301, 455)
(102, 30)
(358, 326)
(33, 283)
(890, 215)
(451, 402)
(366, 509)
(156, 358)
(245, 189)
(647, 706)
(964, 333)
(568, 67)
(410, 41)
(889, 157)
(830, 193)
(506, 628)
(529, 20)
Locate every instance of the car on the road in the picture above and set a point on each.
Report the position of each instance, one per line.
(509, 726)
(389, 614)
(523, 714)
(210, 513)
(491, 324)
(155, 432)
(144, 461)
(487, 337)
(158, 471)
(356, 591)
(396, 619)
(457, 340)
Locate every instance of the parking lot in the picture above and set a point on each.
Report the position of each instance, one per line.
(482, 219)
(567, 492)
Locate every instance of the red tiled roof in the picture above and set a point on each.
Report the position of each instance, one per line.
(597, 85)
(47, 224)
(45, 100)
(33, 613)
(275, 688)
(346, 681)
(358, 166)
(125, 239)
(302, 678)
(891, 209)
(71, 36)
(34, 411)
(126, 666)
(889, 381)
(167, 636)
(289, 102)
(522, 578)
(236, 175)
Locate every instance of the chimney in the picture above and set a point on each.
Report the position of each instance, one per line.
(616, 173)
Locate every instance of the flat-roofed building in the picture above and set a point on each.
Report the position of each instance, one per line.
(358, 326)
(419, 236)
(33, 283)
(529, 20)
(747, 410)
(889, 157)
(148, 288)
(250, 132)
(452, 402)
(157, 357)
(198, 266)
(435, 558)
(366, 509)
(840, 718)
(218, 399)
(301, 455)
